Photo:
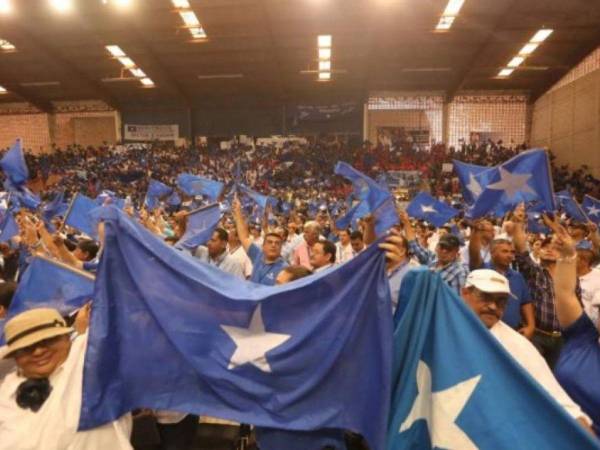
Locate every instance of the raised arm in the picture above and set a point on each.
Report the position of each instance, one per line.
(475, 260)
(240, 224)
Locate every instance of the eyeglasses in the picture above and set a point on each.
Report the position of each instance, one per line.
(46, 343)
(499, 299)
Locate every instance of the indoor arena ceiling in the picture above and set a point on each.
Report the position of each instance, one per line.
(265, 51)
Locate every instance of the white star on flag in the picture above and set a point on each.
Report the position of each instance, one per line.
(253, 343)
(428, 209)
(512, 183)
(593, 211)
(440, 410)
(474, 186)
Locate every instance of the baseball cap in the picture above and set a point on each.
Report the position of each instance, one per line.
(449, 241)
(490, 281)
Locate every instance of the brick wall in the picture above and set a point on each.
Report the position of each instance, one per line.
(31, 128)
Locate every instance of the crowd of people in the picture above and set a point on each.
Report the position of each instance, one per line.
(539, 295)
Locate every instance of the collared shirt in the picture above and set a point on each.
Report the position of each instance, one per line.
(520, 296)
(322, 268)
(262, 272)
(454, 274)
(342, 253)
(224, 261)
(54, 425)
(395, 278)
(301, 255)
(532, 361)
(239, 254)
(541, 288)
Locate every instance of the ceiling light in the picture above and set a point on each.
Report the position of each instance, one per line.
(189, 18)
(3, 90)
(324, 53)
(147, 82)
(445, 23)
(137, 72)
(127, 62)
(221, 76)
(324, 41)
(505, 72)
(198, 33)
(181, 3)
(324, 66)
(453, 7)
(516, 61)
(324, 76)
(541, 35)
(528, 49)
(115, 50)
(62, 6)
(5, 7)
(6, 46)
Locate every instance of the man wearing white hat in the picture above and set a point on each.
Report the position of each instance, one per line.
(486, 292)
(40, 402)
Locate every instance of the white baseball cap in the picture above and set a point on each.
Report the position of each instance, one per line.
(487, 280)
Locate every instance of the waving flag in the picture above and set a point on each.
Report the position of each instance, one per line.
(13, 165)
(261, 200)
(78, 215)
(522, 179)
(54, 208)
(201, 224)
(174, 199)
(470, 177)
(196, 185)
(8, 226)
(372, 199)
(107, 197)
(571, 207)
(308, 355)
(425, 207)
(156, 191)
(592, 208)
(535, 223)
(22, 197)
(444, 397)
(47, 283)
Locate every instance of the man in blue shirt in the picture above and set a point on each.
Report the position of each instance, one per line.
(266, 262)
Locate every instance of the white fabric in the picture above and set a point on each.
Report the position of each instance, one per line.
(342, 253)
(54, 426)
(168, 417)
(590, 285)
(530, 359)
(240, 256)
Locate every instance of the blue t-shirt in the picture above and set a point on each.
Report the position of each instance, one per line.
(520, 291)
(578, 367)
(263, 273)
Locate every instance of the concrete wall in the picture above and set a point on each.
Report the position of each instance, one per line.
(567, 121)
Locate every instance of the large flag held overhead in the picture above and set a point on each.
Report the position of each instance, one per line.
(47, 283)
(373, 199)
(467, 175)
(201, 224)
(169, 332)
(456, 387)
(425, 207)
(521, 179)
(13, 165)
(78, 215)
(197, 185)
(592, 208)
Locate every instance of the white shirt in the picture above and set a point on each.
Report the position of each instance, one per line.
(242, 258)
(590, 284)
(342, 253)
(54, 426)
(532, 361)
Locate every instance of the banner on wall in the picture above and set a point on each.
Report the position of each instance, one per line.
(320, 113)
(402, 137)
(151, 132)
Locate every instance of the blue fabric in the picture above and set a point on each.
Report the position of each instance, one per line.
(174, 199)
(21, 196)
(263, 273)
(156, 190)
(56, 207)
(107, 197)
(13, 165)
(156, 339)
(8, 226)
(372, 200)
(535, 224)
(195, 185)
(261, 200)
(421, 208)
(465, 173)
(201, 224)
(592, 208)
(48, 284)
(520, 292)
(79, 215)
(532, 167)
(578, 367)
(503, 409)
(571, 207)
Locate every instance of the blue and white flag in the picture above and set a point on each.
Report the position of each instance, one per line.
(78, 215)
(156, 191)
(107, 197)
(174, 199)
(456, 387)
(570, 207)
(425, 207)
(56, 207)
(201, 224)
(373, 199)
(261, 200)
(8, 225)
(169, 332)
(521, 179)
(195, 185)
(535, 223)
(50, 284)
(592, 208)
(22, 197)
(469, 176)
(13, 165)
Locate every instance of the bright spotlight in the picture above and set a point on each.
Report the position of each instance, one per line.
(5, 7)
(122, 3)
(62, 6)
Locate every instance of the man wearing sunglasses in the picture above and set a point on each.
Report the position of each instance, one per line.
(486, 292)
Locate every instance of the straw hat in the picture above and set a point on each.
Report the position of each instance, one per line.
(32, 326)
